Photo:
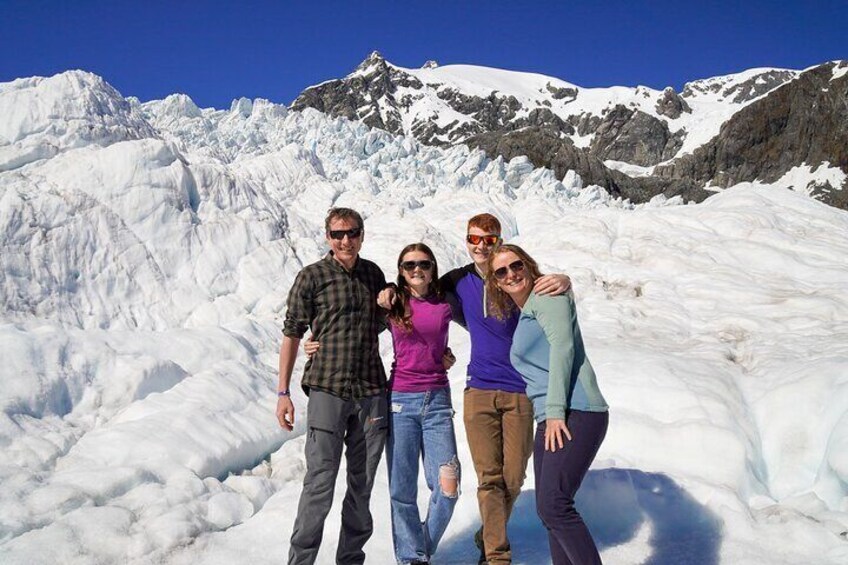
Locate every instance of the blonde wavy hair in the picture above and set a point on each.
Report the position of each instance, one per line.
(498, 302)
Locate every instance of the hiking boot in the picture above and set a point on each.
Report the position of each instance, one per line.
(478, 541)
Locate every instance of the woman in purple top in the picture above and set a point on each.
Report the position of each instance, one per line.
(421, 425)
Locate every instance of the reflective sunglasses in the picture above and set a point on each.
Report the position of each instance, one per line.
(352, 233)
(409, 266)
(515, 267)
(489, 240)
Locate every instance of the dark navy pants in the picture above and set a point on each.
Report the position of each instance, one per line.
(558, 476)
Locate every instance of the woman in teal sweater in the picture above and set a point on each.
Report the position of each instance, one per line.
(570, 412)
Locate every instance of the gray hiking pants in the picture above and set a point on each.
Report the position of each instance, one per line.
(360, 425)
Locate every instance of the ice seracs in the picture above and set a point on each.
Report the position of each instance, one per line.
(42, 117)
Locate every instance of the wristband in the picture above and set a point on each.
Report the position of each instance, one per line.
(286, 392)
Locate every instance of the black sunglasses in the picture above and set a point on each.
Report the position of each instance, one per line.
(352, 233)
(515, 267)
(409, 266)
(489, 239)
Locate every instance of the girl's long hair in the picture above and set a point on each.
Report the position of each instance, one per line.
(400, 314)
(499, 303)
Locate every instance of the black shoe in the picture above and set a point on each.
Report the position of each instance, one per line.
(478, 541)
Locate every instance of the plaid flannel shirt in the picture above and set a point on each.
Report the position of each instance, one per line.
(340, 307)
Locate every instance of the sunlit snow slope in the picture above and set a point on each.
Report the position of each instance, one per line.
(147, 251)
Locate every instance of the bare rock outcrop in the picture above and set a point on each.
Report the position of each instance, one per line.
(634, 137)
(671, 104)
(804, 121)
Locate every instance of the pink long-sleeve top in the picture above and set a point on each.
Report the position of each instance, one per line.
(418, 353)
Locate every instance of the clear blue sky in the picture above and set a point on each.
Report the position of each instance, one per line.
(216, 51)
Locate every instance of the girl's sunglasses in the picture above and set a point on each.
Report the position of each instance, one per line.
(409, 266)
(515, 267)
(489, 240)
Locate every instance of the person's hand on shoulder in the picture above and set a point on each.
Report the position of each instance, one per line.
(552, 285)
(386, 298)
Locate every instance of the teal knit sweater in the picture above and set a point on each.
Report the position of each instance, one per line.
(547, 349)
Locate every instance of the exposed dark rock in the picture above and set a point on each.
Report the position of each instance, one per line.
(672, 104)
(742, 92)
(634, 137)
(585, 123)
(699, 86)
(457, 99)
(545, 147)
(561, 93)
(453, 131)
(542, 117)
(493, 112)
(673, 145)
(758, 85)
(403, 79)
(803, 121)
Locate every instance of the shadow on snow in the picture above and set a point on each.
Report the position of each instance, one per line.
(614, 503)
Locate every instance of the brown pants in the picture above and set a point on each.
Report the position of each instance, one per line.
(499, 426)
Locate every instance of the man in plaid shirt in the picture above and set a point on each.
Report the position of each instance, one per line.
(336, 298)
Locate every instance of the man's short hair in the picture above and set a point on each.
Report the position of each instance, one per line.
(485, 222)
(343, 214)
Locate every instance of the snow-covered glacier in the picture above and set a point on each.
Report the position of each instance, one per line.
(147, 251)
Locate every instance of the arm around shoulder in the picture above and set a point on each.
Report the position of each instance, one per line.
(449, 280)
(552, 285)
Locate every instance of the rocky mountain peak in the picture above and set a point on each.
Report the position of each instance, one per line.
(431, 64)
(375, 62)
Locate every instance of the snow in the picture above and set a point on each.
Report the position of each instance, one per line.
(805, 178)
(143, 280)
(840, 69)
(482, 81)
(628, 168)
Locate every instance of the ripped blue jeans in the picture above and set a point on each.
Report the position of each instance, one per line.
(421, 427)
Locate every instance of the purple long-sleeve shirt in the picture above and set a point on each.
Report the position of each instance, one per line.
(491, 339)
